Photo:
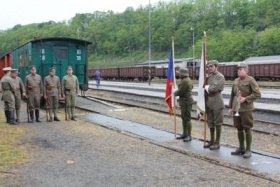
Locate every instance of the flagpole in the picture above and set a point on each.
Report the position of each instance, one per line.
(174, 86)
(204, 63)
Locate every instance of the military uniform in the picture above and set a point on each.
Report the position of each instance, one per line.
(20, 89)
(185, 101)
(8, 91)
(52, 89)
(70, 88)
(215, 106)
(34, 90)
(247, 88)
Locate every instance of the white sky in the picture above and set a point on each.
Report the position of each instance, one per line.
(24, 12)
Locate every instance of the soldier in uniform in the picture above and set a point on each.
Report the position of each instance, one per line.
(8, 95)
(19, 89)
(214, 104)
(245, 91)
(185, 101)
(52, 93)
(70, 89)
(34, 91)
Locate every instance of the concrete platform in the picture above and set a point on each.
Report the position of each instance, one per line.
(260, 164)
(144, 92)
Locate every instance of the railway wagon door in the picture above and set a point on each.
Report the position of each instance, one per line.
(60, 60)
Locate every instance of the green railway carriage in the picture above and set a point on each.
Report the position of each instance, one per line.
(53, 52)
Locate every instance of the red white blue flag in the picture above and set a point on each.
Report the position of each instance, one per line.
(169, 85)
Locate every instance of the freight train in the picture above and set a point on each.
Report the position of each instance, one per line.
(58, 52)
(267, 67)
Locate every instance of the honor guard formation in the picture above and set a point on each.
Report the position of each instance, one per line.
(33, 89)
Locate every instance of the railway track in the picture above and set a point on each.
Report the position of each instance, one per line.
(160, 108)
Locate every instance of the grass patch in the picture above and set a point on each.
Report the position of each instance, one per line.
(10, 151)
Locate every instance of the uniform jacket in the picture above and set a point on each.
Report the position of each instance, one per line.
(8, 88)
(214, 99)
(52, 86)
(33, 84)
(185, 92)
(19, 87)
(70, 85)
(249, 89)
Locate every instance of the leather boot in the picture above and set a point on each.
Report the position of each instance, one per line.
(31, 120)
(37, 115)
(215, 146)
(50, 119)
(12, 118)
(56, 118)
(17, 114)
(187, 139)
(7, 114)
(248, 144)
(212, 136)
(182, 136)
(241, 149)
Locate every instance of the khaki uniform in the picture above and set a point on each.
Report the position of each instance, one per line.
(34, 90)
(19, 90)
(8, 91)
(70, 88)
(185, 101)
(52, 89)
(214, 100)
(249, 89)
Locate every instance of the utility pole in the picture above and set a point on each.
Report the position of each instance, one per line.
(193, 67)
(149, 43)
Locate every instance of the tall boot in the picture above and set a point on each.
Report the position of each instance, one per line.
(31, 120)
(37, 115)
(212, 137)
(55, 115)
(241, 148)
(12, 118)
(7, 114)
(69, 113)
(189, 131)
(18, 114)
(72, 113)
(184, 134)
(248, 144)
(216, 145)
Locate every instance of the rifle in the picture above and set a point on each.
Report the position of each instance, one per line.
(65, 108)
(27, 109)
(47, 110)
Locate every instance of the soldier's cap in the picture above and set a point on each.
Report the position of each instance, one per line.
(32, 67)
(213, 62)
(7, 69)
(184, 72)
(52, 68)
(69, 67)
(242, 65)
(14, 70)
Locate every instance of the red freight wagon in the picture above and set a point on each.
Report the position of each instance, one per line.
(270, 70)
(5, 61)
(160, 72)
(229, 71)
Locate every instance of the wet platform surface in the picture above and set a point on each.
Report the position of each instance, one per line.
(266, 165)
(272, 106)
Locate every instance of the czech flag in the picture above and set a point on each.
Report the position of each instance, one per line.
(169, 83)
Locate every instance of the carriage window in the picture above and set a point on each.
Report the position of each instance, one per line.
(60, 53)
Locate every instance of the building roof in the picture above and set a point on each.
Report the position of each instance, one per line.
(263, 59)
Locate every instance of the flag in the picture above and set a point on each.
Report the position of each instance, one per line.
(201, 84)
(169, 84)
